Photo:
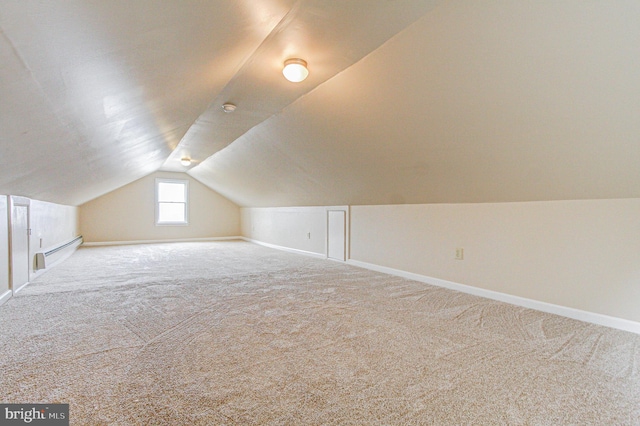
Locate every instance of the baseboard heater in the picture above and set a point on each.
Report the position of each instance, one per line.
(47, 258)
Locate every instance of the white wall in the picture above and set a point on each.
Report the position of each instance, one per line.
(128, 214)
(51, 224)
(577, 254)
(287, 227)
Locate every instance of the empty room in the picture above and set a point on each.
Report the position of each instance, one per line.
(319, 212)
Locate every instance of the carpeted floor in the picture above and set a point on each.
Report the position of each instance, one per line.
(235, 333)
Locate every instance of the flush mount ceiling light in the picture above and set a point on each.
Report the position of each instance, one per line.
(228, 107)
(185, 161)
(295, 70)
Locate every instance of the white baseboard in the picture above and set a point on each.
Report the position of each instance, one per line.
(16, 290)
(590, 317)
(283, 248)
(5, 296)
(179, 240)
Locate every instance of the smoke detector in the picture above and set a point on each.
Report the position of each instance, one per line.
(228, 107)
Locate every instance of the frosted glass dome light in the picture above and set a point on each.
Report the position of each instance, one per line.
(295, 70)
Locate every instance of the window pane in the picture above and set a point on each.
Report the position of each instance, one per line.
(171, 192)
(171, 212)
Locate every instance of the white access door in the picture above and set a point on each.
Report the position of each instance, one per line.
(19, 246)
(336, 235)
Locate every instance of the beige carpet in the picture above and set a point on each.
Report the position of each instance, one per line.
(234, 333)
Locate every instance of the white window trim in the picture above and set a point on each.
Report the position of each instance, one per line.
(186, 202)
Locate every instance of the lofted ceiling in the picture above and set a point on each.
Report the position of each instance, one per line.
(407, 101)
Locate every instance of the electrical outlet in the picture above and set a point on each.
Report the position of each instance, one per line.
(459, 253)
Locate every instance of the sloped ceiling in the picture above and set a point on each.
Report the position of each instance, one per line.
(407, 101)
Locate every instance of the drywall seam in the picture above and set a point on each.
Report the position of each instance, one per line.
(577, 314)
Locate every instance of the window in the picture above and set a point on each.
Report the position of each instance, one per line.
(171, 202)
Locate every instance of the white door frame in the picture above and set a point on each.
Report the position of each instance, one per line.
(5, 292)
(347, 216)
(22, 202)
